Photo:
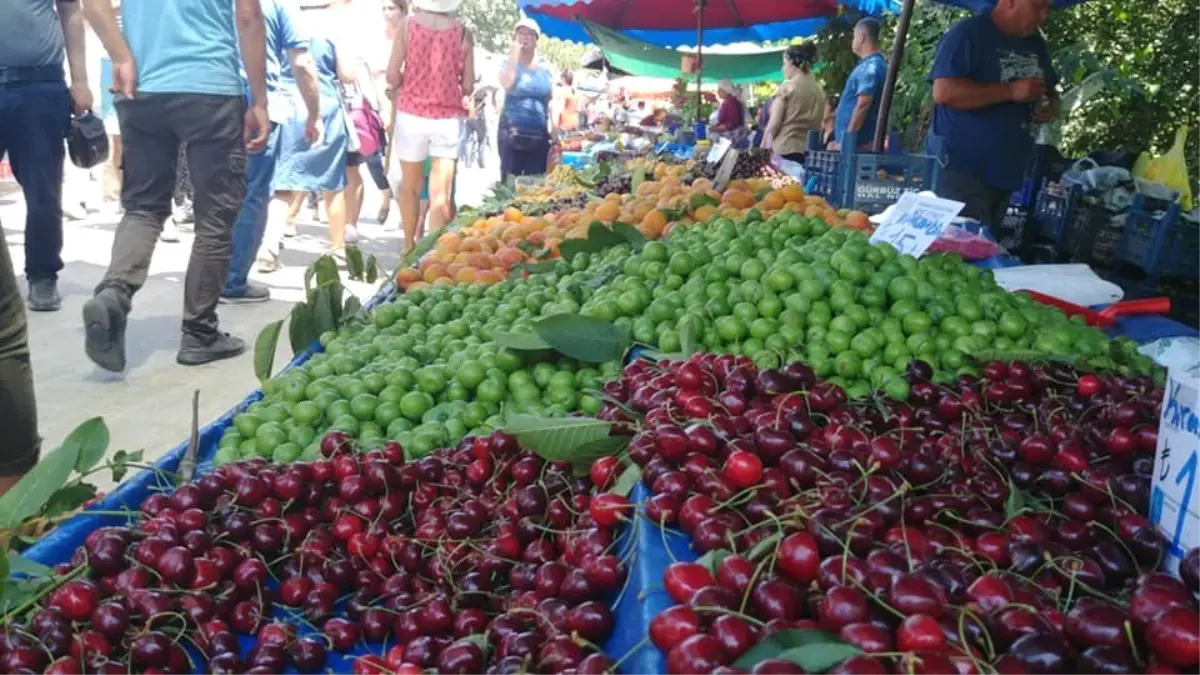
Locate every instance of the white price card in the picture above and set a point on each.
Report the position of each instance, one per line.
(916, 222)
(1174, 499)
(718, 150)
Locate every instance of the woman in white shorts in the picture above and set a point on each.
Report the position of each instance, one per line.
(429, 107)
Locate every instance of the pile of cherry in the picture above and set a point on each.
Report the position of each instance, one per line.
(987, 525)
(481, 558)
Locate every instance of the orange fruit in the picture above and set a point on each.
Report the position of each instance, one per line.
(858, 220)
(608, 211)
(792, 193)
(773, 201)
(488, 277)
(417, 285)
(704, 213)
(454, 268)
(449, 241)
(407, 276)
(512, 214)
(466, 275)
(434, 272)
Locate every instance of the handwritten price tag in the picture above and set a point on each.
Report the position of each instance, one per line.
(1174, 500)
(916, 222)
(718, 150)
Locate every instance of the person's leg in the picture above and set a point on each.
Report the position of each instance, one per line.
(283, 206)
(111, 182)
(353, 195)
(18, 423)
(410, 200)
(441, 184)
(38, 119)
(149, 179)
(502, 150)
(250, 229)
(212, 128)
(977, 198)
(335, 211)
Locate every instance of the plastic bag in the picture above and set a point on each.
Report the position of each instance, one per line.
(968, 245)
(1169, 169)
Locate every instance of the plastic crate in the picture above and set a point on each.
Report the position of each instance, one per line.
(877, 180)
(1159, 244)
(1053, 209)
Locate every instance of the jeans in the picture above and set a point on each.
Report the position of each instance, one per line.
(19, 441)
(152, 127)
(252, 220)
(34, 116)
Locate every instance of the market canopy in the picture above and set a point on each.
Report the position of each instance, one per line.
(639, 58)
(672, 23)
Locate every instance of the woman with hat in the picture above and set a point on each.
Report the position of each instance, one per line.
(430, 109)
(731, 116)
(798, 107)
(526, 130)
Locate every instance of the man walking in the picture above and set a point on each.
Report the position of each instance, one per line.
(992, 80)
(285, 42)
(858, 107)
(176, 71)
(35, 111)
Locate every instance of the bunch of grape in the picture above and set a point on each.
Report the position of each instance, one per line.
(622, 184)
(750, 162)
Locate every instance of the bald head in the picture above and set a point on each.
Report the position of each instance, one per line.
(866, 37)
(1021, 18)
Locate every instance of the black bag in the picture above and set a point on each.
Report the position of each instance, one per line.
(520, 140)
(87, 142)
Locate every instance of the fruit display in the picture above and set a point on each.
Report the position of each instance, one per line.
(989, 524)
(479, 558)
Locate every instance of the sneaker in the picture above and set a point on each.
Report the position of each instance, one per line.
(43, 295)
(196, 351)
(170, 232)
(75, 211)
(104, 328)
(254, 292)
(267, 263)
(289, 230)
(351, 234)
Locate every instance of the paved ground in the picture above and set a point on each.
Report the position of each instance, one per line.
(148, 407)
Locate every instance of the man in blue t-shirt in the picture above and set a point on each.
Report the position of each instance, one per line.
(177, 76)
(858, 108)
(286, 42)
(992, 80)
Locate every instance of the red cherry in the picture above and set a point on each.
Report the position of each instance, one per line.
(1175, 637)
(743, 469)
(681, 580)
(1088, 386)
(673, 625)
(799, 557)
(920, 632)
(609, 509)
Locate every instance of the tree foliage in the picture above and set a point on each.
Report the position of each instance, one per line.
(492, 23)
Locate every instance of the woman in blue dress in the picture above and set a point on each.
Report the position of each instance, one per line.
(319, 168)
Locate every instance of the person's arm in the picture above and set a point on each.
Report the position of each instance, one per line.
(468, 74)
(862, 105)
(551, 120)
(774, 121)
(1049, 107)
(75, 37)
(508, 72)
(101, 15)
(304, 70)
(252, 39)
(395, 71)
(964, 94)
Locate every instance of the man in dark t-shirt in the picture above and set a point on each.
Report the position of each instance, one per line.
(992, 81)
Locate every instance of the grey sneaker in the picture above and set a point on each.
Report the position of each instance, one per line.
(196, 351)
(43, 295)
(104, 328)
(254, 292)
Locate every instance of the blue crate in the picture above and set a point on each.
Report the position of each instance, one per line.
(1159, 244)
(1053, 209)
(878, 180)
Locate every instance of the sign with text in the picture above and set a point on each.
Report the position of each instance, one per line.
(915, 222)
(718, 150)
(1174, 500)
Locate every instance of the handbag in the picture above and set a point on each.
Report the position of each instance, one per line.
(521, 140)
(368, 127)
(87, 141)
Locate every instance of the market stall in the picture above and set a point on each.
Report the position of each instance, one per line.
(581, 420)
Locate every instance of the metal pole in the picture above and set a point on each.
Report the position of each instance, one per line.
(699, 54)
(889, 85)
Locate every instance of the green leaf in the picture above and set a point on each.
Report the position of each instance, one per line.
(68, 499)
(121, 461)
(478, 639)
(372, 269)
(635, 239)
(264, 349)
(603, 236)
(687, 335)
(352, 307)
(583, 338)
(560, 439)
(519, 341)
(821, 656)
(764, 547)
(713, 558)
(540, 267)
(639, 177)
(300, 328)
(91, 438)
(569, 248)
(32, 492)
(19, 564)
(1015, 503)
(4, 571)
(354, 262)
(325, 271)
(778, 643)
(322, 311)
(627, 480)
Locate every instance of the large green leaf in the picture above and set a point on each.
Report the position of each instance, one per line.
(300, 328)
(355, 267)
(32, 492)
(778, 643)
(322, 311)
(567, 439)
(519, 341)
(68, 499)
(603, 235)
(4, 571)
(352, 307)
(631, 235)
(583, 338)
(820, 657)
(264, 349)
(19, 564)
(91, 438)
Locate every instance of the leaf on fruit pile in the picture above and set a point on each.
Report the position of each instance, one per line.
(524, 342)
(813, 650)
(604, 236)
(91, 438)
(539, 267)
(713, 558)
(300, 328)
(121, 461)
(634, 238)
(264, 349)
(479, 640)
(764, 547)
(639, 177)
(32, 492)
(583, 338)
(19, 564)
(68, 499)
(562, 438)
(627, 480)
(355, 267)
(702, 199)
(687, 336)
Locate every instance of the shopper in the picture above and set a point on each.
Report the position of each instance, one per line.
(177, 70)
(286, 43)
(429, 104)
(35, 109)
(731, 115)
(992, 80)
(526, 130)
(858, 107)
(21, 444)
(798, 107)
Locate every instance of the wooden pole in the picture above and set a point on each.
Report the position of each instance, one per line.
(889, 85)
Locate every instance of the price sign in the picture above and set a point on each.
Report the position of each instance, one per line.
(725, 173)
(1174, 499)
(915, 222)
(718, 150)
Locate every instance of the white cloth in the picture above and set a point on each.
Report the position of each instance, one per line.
(419, 137)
